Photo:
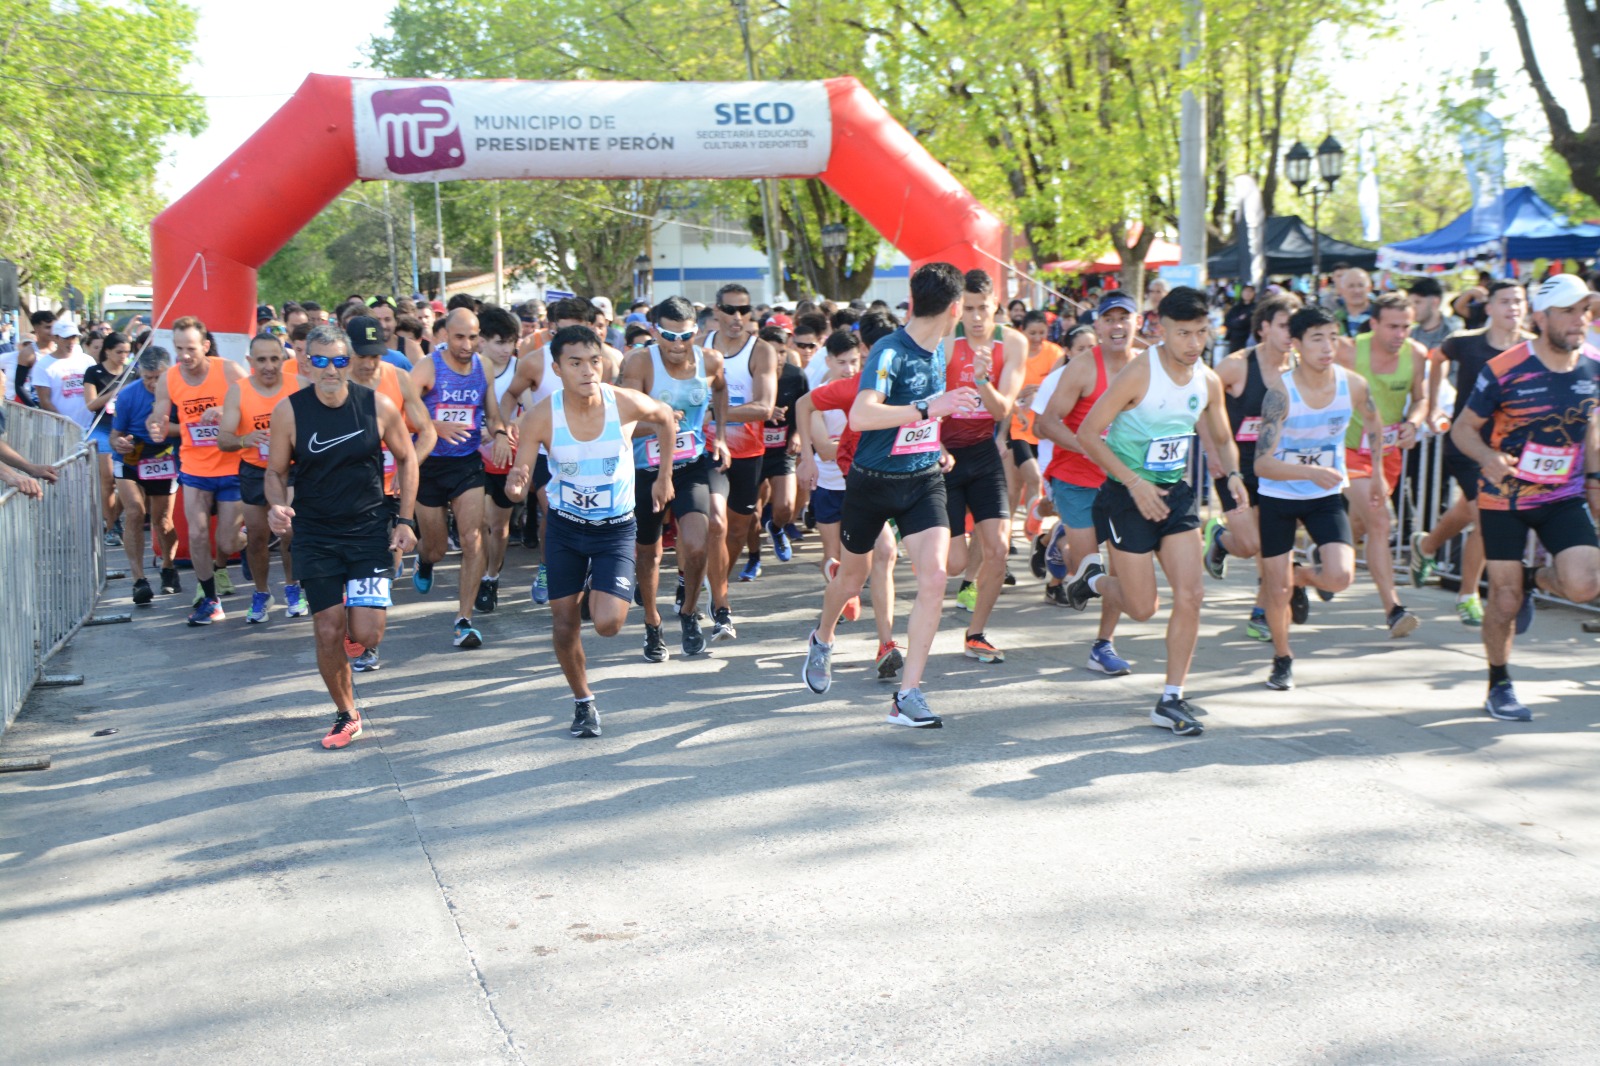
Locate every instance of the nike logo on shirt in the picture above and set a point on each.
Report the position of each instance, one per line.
(317, 447)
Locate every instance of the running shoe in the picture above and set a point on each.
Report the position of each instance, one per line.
(112, 539)
(852, 609)
(260, 604)
(1504, 705)
(224, 583)
(1057, 594)
(294, 604)
(1055, 555)
(346, 728)
(1177, 714)
(466, 636)
(677, 597)
(911, 709)
(752, 569)
(780, 543)
(244, 566)
(967, 597)
(1216, 555)
(352, 650)
(1402, 623)
(979, 648)
(1316, 562)
(585, 719)
(1282, 676)
(170, 584)
(1104, 659)
(141, 592)
(1525, 613)
(1036, 560)
(722, 624)
(655, 645)
(366, 662)
(818, 671)
(796, 534)
(890, 661)
(488, 595)
(694, 641)
(422, 580)
(1422, 564)
(1257, 627)
(1079, 591)
(206, 612)
(1300, 606)
(541, 586)
(1470, 611)
(1011, 579)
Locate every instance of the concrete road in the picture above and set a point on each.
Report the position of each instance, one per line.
(1363, 870)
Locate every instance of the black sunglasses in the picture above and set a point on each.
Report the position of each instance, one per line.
(731, 309)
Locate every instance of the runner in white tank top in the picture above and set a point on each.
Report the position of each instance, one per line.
(498, 330)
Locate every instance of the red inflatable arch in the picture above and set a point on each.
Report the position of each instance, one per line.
(208, 245)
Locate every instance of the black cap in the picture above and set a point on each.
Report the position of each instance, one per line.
(265, 313)
(366, 336)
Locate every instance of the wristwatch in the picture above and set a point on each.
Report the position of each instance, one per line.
(922, 409)
(409, 523)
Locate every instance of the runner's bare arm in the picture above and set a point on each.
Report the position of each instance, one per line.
(1591, 463)
(527, 375)
(1069, 390)
(532, 433)
(1122, 392)
(160, 410)
(718, 377)
(1274, 409)
(228, 425)
(636, 407)
(275, 485)
(416, 417)
(613, 364)
(763, 386)
(1216, 434)
(635, 375)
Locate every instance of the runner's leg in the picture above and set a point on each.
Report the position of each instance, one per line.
(468, 509)
(1374, 524)
(1182, 562)
(928, 550)
(133, 499)
(991, 534)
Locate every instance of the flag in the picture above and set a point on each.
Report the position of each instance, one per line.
(1250, 230)
(1367, 196)
(1483, 151)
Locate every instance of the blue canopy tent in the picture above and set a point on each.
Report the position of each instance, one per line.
(1528, 229)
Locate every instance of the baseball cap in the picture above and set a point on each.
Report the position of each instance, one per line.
(265, 313)
(1559, 290)
(366, 336)
(1111, 301)
(604, 304)
(636, 319)
(781, 321)
(437, 307)
(65, 326)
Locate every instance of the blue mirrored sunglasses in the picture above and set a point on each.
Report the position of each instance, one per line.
(321, 361)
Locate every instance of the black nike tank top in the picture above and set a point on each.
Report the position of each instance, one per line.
(338, 462)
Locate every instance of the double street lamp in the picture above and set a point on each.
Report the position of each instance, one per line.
(1297, 168)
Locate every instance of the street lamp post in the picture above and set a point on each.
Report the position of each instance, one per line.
(835, 237)
(643, 278)
(1297, 168)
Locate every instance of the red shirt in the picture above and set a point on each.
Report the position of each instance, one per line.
(1075, 468)
(839, 396)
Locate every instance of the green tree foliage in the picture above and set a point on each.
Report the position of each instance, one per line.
(344, 249)
(88, 94)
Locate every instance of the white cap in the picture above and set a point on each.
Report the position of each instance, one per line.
(604, 304)
(64, 327)
(1561, 290)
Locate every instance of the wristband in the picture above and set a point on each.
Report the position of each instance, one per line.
(1593, 475)
(501, 433)
(409, 523)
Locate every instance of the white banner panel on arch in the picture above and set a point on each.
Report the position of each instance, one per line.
(450, 131)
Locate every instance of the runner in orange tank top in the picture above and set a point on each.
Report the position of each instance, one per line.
(246, 428)
(197, 385)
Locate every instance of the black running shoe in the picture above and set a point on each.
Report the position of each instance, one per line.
(694, 641)
(722, 624)
(585, 719)
(1282, 677)
(1057, 594)
(170, 585)
(1299, 605)
(488, 595)
(655, 645)
(1011, 579)
(1036, 559)
(1078, 591)
(677, 597)
(141, 592)
(1177, 714)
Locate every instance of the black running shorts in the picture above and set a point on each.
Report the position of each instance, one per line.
(915, 501)
(1560, 525)
(599, 554)
(977, 483)
(1117, 517)
(1326, 518)
(691, 494)
(740, 483)
(444, 477)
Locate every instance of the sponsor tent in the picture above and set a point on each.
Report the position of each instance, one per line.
(1289, 251)
(1528, 228)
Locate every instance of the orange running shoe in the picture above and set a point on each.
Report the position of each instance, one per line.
(979, 648)
(346, 728)
(352, 649)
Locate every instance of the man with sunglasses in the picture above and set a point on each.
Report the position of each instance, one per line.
(751, 369)
(690, 380)
(334, 433)
(465, 414)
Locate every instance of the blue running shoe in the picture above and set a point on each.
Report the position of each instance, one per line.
(780, 543)
(541, 586)
(260, 602)
(466, 636)
(206, 612)
(1104, 658)
(1504, 705)
(422, 580)
(1257, 628)
(795, 533)
(1055, 554)
(751, 571)
(1525, 613)
(294, 604)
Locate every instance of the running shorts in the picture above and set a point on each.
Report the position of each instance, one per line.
(1252, 486)
(326, 565)
(691, 494)
(494, 485)
(1326, 518)
(777, 463)
(1074, 503)
(1560, 525)
(1117, 517)
(827, 506)
(223, 489)
(541, 471)
(152, 487)
(444, 477)
(740, 484)
(599, 554)
(1359, 465)
(252, 484)
(915, 500)
(1022, 451)
(1463, 471)
(977, 483)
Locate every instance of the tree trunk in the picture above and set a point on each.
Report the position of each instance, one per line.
(1580, 148)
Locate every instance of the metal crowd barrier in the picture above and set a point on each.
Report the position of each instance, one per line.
(52, 555)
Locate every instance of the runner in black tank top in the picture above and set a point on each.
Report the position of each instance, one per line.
(343, 546)
(1246, 376)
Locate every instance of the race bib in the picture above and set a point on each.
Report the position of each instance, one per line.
(1391, 439)
(265, 448)
(1547, 466)
(367, 592)
(457, 416)
(1167, 453)
(388, 461)
(202, 435)
(1249, 429)
(585, 497)
(774, 436)
(72, 386)
(1322, 457)
(682, 449)
(916, 438)
(162, 469)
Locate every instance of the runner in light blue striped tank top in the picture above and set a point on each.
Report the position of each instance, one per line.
(1312, 436)
(590, 480)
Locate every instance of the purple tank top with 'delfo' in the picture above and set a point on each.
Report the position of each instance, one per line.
(457, 398)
